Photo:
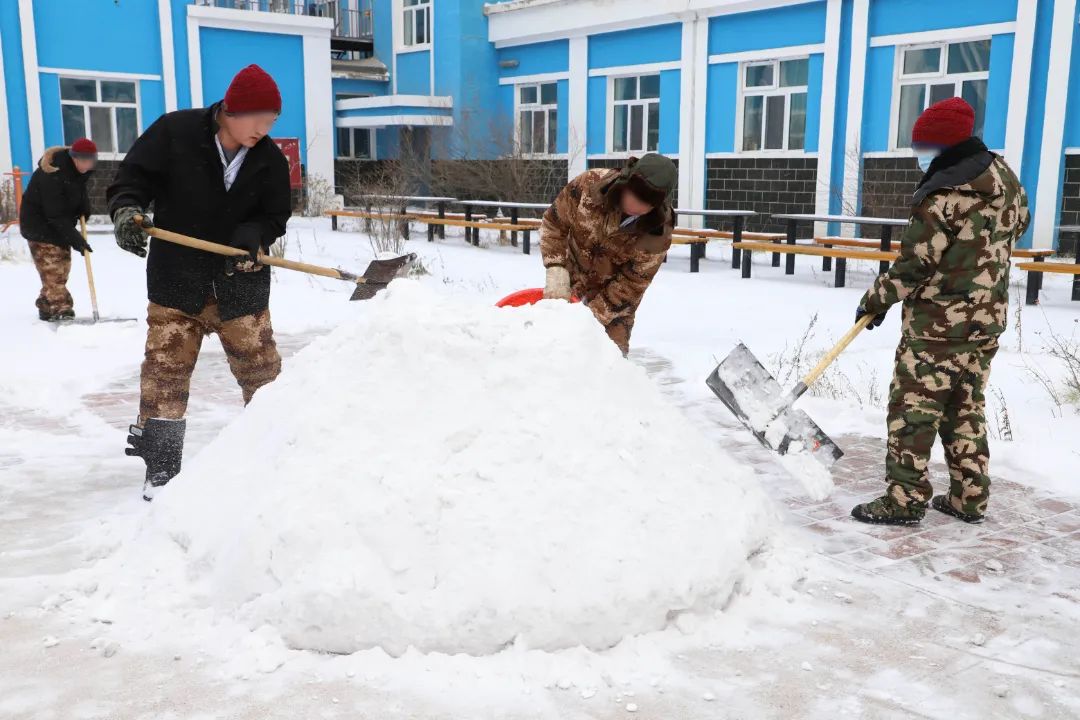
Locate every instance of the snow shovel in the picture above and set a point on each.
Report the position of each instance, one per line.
(378, 275)
(757, 400)
(93, 292)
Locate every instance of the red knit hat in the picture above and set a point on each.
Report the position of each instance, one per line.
(252, 90)
(84, 148)
(944, 124)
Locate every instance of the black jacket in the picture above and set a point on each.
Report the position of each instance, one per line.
(175, 165)
(54, 200)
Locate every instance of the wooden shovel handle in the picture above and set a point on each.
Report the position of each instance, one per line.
(218, 249)
(89, 271)
(830, 356)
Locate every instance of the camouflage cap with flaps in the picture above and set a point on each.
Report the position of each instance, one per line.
(652, 178)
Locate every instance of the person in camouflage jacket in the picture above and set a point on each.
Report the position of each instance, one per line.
(605, 236)
(952, 278)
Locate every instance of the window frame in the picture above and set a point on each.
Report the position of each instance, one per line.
(645, 103)
(338, 97)
(112, 105)
(941, 77)
(765, 92)
(531, 108)
(405, 18)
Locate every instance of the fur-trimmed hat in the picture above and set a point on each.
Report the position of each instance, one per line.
(651, 178)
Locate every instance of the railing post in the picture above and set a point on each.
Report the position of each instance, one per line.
(747, 262)
(333, 222)
(514, 221)
(695, 256)
(525, 242)
(442, 216)
(468, 219)
(841, 272)
(826, 261)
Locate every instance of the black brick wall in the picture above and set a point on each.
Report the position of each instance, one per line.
(764, 185)
(99, 182)
(1070, 203)
(618, 164)
(888, 184)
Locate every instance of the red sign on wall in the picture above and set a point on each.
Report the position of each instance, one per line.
(291, 148)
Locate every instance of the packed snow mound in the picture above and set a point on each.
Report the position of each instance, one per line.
(456, 477)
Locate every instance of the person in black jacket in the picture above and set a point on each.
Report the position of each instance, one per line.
(54, 201)
(215, 174)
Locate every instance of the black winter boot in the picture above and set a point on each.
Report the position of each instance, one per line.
(161, 444)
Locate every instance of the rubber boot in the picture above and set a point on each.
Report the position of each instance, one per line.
(160, 443)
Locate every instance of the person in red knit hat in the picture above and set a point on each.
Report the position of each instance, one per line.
(215, 174)
(952, 278)
(49, 215)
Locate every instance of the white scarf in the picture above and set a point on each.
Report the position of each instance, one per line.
(231, 168)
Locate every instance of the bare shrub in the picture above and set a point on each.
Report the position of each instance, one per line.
(318, 196)
(792, 363)
(1002, 429)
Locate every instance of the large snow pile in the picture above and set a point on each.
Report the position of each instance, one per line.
(456, 477)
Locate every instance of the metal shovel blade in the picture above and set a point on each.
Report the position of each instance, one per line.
(378, 275)
(757, 400)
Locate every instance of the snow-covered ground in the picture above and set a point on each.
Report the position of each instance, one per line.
(829, 621)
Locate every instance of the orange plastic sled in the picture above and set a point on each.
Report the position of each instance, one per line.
(529, 296)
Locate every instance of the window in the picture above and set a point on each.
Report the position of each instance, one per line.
(931, 73)
(636, 114)
(106, 111)
(538, 112)
(415, 22)
(355, 143)
(773, 105)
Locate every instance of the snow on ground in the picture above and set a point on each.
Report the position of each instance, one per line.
(808, 632)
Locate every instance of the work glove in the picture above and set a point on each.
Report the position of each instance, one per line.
(876, 322)
(130, 235)
(79, 244)
(246, 236)
(557, 283)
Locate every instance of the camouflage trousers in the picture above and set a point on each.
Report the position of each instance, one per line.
(939, 390)
(173, 341)
(53, 264)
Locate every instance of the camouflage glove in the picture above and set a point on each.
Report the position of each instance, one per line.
(130, 235)
(876, 322)
(246, 236)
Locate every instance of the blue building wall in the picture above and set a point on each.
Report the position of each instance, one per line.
(890, 17)
(670, 102)
(226, 52)
(180, 54)
(1072, 117)
(723, 89)
(659, 43)
(779, 27)
(125, 35)
(545, 57)
(1037, 101)
(839, 139)
(414, 73)
(597, 116)
(14, 78)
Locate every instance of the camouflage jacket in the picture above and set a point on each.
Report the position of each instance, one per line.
(610, 266)
(953, 272)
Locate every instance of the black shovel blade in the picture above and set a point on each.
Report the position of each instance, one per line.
(752, 394)
(378, 275)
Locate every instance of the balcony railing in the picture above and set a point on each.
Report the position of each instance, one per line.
(352, 20)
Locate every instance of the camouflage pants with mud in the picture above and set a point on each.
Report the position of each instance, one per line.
(53, 264)
(939, 390)
(173, 340)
